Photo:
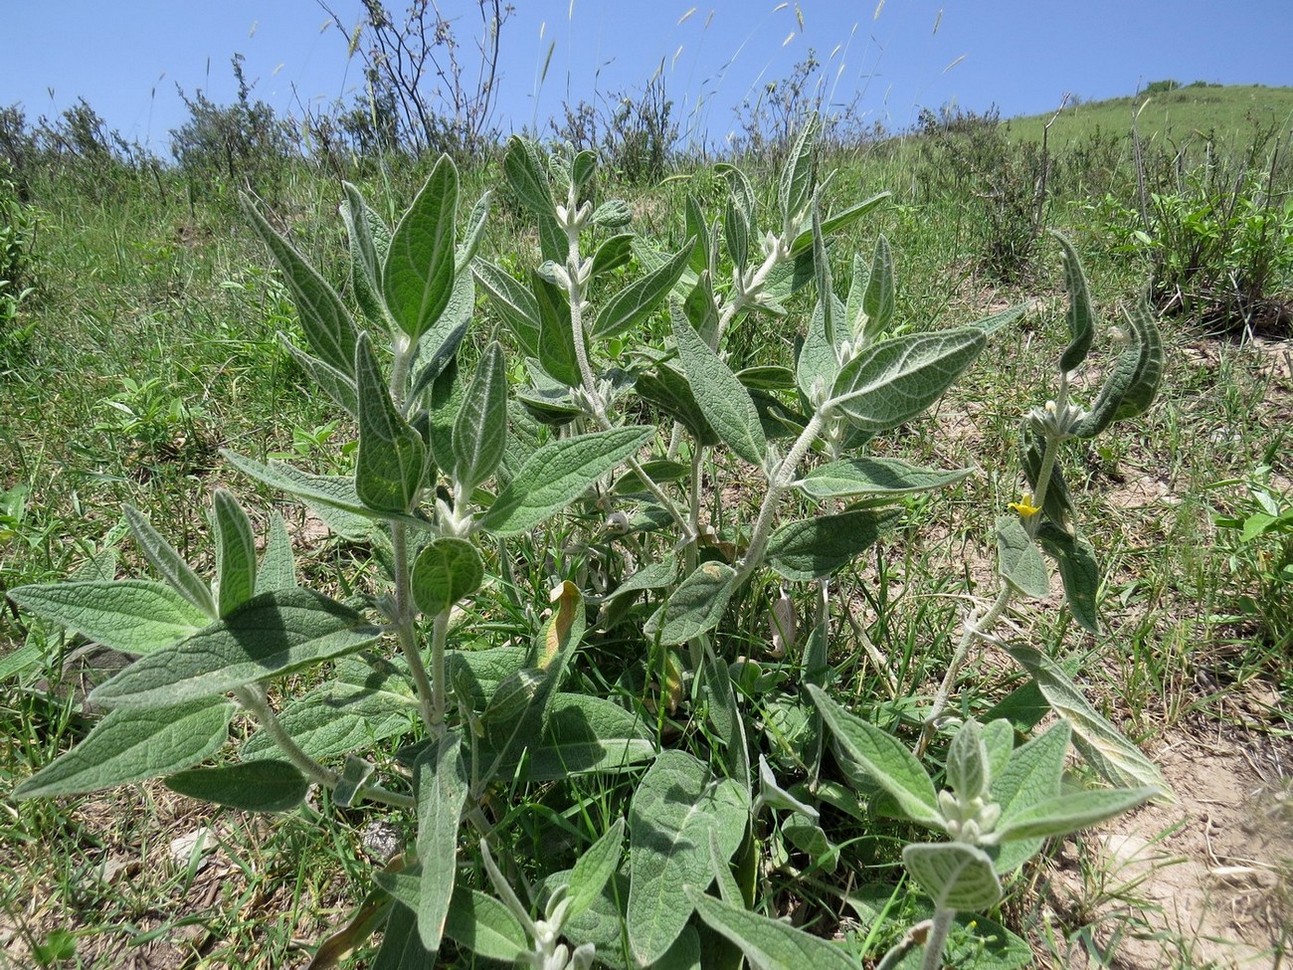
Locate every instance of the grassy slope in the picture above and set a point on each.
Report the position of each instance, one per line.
(1232, 113)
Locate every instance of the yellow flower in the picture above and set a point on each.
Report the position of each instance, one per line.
(1025, 506)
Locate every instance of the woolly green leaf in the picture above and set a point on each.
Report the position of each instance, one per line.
(1075, 558)
(676, 808)
(1116, 759)
(670, 391)
(613, 253)
(557, 353)
(893, 381)
(131, 745)
(633, 304)
(884, 758)
(875, 477)
(258, 786)
(723, 399)
(417, 278)
(1072, 811)
(523, 169)
(473, 234)
(556, 475)
(1057, 505)
(439, 345)
(362, 225)
(831, 224)
(878, 300)
(594, 869)
(392, 456)
(277, 568)
(132, 615)
(441, 787)
(956, 875)
(769, 944)
(696, 228)
(402, 947)
(169, 564)
(968, 773)
(819, 364)
(584, 734)
(331, 381)
(480, 429)
(812, 548)
(696, 606)
(1019, 561)
(330, 492)
(998, 742)
(445, 571)
(271, 634)
(336, 718)
(235, 552)
(1081, 319)
(514, 303)
(1131, 386)
(330, 331)
(799, 174)
(485, 926)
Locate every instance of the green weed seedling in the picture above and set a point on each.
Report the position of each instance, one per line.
(549, 673)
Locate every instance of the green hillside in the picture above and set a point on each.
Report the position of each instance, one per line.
(1233, 114)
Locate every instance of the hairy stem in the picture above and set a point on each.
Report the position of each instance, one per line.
(407, 634)
(253, 700)
(937, 939)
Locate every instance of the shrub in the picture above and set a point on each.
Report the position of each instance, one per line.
(555, 661)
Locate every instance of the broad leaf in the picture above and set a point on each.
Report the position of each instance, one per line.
(330, 331)
(169, 564)
(557, 353)
(968, 773)
(594, 869)
(132, 745)
(336, 718)
(878, 301)
(813, 548)
(483, 925)
(635, 302)
(884, 758)
(1132, 384)
(893, 381)
(875, 477)
(696, 606)
(831, 224)
(584, 734)
(444, 572)
(1019, 560)
(392, 456)
(523, 169)
(1080, 316)
(480, 429)
(670, 391)
(799, 175)
(440, 785)
(333, 493)
(514, 303)
(235, 552)
(558, 474)
(257, 786)
(725, 401)
(674, 812)
(363, 228)
(769, 944)
(1116, 759)
(271, 634)
(1072, 811)
(402, 947)
(956, 875)
(418, 276)
(131, 615)
(277, 568)
(1075, 558)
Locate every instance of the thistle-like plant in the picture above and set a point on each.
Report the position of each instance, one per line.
(454, 475)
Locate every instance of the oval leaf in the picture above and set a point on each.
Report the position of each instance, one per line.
(256, 786)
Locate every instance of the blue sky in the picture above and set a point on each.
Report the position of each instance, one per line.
(127, 57)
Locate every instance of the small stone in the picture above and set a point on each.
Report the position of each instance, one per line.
(382, 840)
(198, 842)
